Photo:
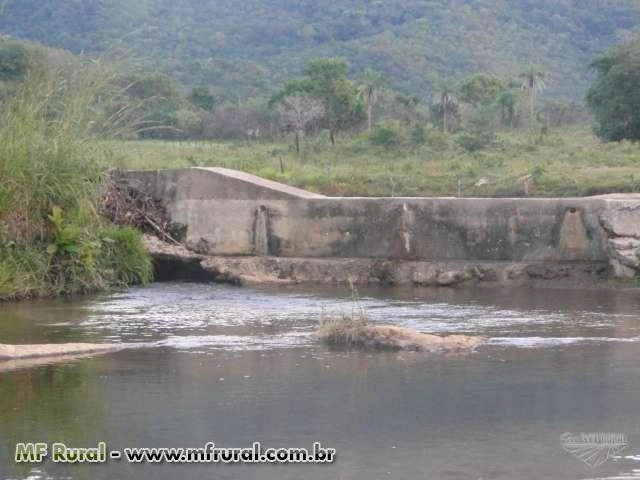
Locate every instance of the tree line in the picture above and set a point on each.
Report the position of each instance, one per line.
(474, 108)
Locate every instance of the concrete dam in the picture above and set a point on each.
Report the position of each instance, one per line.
(239, 227)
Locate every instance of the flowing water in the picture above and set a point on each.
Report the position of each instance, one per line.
(236, 365)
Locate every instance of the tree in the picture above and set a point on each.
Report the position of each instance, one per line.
(14, 60)
(298, 111)
(406, 109)
(203, 98)
(325, 79)
(370, 85)
(480, 89)
(614, 96)
(158, 100)
(532, 84)
(507, 102)
(447, 106)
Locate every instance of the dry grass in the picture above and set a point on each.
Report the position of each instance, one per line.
(348, 331)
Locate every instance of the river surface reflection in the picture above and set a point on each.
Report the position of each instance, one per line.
(237, 365)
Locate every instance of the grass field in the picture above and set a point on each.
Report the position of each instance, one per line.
(571, 162)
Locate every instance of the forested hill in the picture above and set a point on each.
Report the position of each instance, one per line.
(247, 48)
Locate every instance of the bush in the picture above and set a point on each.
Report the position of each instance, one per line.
(475, 141)
(419, 135)
(22, 271)
(124, 256)
(387, 135)
(53, 241)
(15, 59)
(436, 139)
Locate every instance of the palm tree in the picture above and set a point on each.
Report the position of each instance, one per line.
(532, 84)
(447, 105)
(371, 84)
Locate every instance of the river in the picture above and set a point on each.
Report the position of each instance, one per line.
(230, 365)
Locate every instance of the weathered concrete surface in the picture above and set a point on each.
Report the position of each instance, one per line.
(17, 352)
(247, 270)
(232, 214)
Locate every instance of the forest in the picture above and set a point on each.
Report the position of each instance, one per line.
(248, 49)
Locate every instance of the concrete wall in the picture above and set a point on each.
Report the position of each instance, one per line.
(233, 213)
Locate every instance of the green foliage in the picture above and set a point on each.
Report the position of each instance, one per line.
(203, 97)
(575, 163)
(239, 55)
(437, 140)
(22, 270)
(158, 101)
(325, 79)
(15, 59)
(387, 135)
(472, 141)
(614, 97)
(124, 255)
(51, 171)
(537, 172)
(46, 156)
(66, 238)
(507, 103)
(418, 135)
(480, 89)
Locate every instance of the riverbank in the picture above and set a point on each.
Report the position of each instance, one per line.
(53, 238)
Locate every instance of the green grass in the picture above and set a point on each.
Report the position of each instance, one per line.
(568, 162)
(52, 239)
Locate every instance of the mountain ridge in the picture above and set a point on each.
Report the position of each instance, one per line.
(248, 49)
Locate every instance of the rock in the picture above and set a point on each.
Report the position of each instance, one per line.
(622, 271)
(450, 277)
(424, 275)
(624, 254)
(157, 248)
(548, 271)
(620, 219)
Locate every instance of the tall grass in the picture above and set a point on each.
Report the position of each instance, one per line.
(52, 239)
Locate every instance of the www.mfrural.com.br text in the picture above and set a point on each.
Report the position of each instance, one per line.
(209, 453)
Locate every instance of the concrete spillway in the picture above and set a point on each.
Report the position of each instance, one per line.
(232, 215)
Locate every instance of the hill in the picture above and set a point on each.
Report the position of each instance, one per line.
(248, 48)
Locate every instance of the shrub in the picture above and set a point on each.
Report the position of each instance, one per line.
(124, 255)
(436, 139)
(387, 135)
(419, 135)
(53, 240)
(474, 141)
(15, 59)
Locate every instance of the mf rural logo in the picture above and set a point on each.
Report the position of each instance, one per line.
(594, 449)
